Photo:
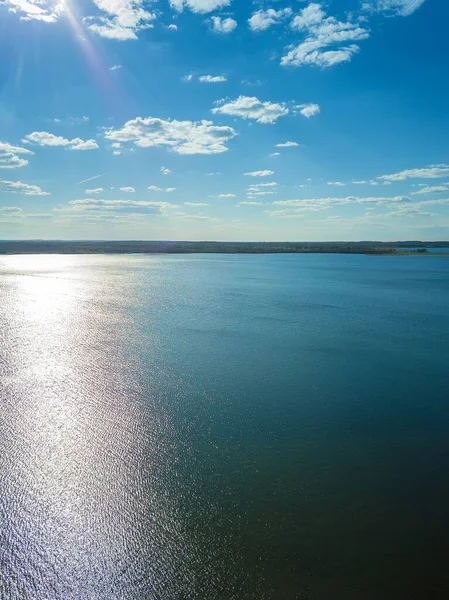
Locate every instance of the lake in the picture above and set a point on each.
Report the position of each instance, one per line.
(224, 427)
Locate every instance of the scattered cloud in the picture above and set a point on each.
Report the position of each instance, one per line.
(115, 67)
(125, 18)
(94, 205)
(336, 183)
(363, 182)
(250, 203)
(402, 8)
(155, 188)
(94, 191)
(43, 138)
(187, 77)
(9, 158)
(182, 137)
(220, 25)
(127, 189)
(165, 171)
(263, 19)
(36, 10)
(323, 41)
(226, 196)
(17, 187)
(274, 154)
(431, 190)
(172, 27)
(287, 145)
(432, 172)
(195, 204)
(263, 173)
(212, 79)
(199, 6)
(308, 110)
(250, 107)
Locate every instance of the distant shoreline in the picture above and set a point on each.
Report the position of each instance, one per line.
(185, 247)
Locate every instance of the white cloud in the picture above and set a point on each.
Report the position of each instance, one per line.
(125, 18)
(73, 120)
(431, 190)
(195, 204)
(264, 173)
(42, 138)
(127, 189)
(363, 182)
(220, 25)
(126, 206)
(402, 8)
(321, 33)
(172, 27)
(188, 77)
(250, 107)
(335, 183)
(17, 187)
(9, 158)
(257, 186)
(198, 217)
(115, 67)
(182, 137)
(287, 145)
(250, 202)
(321, 202)
(212, 79)
(165, 171)
(432, 172)
(155, 188)
(226, 196)
(308, 110)
(263, 19)
(36, 10)
(274, 154)
(94, 191)
(199, 6)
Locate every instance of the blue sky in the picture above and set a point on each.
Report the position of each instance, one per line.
(224, 119)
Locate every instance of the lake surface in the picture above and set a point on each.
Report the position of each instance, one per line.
(224, 427)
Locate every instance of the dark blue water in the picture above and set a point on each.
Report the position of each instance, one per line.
(224, 427)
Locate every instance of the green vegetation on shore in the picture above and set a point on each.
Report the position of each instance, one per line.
(167, 247)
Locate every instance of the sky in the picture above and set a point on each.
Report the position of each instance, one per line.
(224, 120)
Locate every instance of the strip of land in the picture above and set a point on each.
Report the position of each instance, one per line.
(171, 247)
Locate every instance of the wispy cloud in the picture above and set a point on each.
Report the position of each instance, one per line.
(17, 187)
(323, 41)
(9, 158)
(91, 178)
(199, 6)
(94, 191)
(431, 190)
(402, 8)
(36, 10)
(287, 145)
(432, 172)
(212, 78)
(262, 173)
(43, 138)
